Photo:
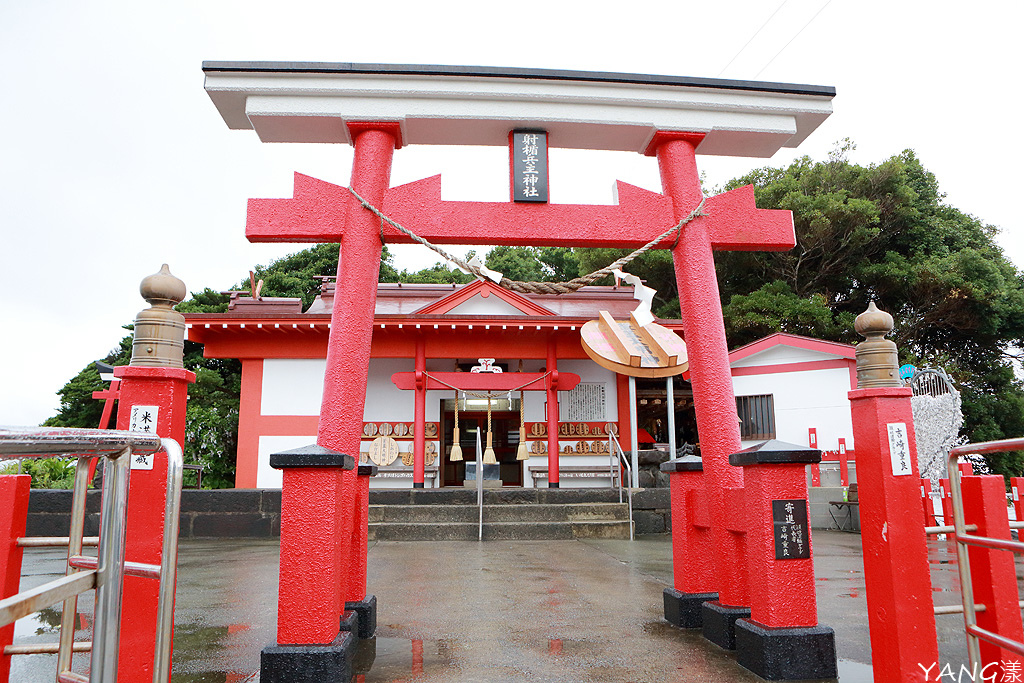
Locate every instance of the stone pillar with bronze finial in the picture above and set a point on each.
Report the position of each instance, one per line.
(153, 396)
(897, 579)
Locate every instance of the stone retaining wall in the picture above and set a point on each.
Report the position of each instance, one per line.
(256, 513)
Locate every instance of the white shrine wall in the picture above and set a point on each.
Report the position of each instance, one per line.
(804, 399)
(292, 386)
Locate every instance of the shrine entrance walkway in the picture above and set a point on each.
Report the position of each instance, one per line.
(582, 610)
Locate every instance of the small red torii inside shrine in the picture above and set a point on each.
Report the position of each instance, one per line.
(292, 103)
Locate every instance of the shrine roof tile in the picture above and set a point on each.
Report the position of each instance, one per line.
(400, 302)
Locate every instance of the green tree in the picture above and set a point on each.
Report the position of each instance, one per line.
(654, 267)
(46, 473)
(534, 264)
(211, 419)
(883, 232)
(77, 406)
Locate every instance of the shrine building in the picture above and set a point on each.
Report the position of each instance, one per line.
(787, 387)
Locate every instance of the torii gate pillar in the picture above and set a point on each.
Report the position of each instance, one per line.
(322, 600)
(710, 374)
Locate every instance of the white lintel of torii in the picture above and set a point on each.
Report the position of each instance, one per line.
(459, 105)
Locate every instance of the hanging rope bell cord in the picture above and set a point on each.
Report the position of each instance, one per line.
(521, 453)
(489, 458)
(456, 454)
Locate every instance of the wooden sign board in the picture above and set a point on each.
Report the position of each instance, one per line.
(383, 451)
(628, 348)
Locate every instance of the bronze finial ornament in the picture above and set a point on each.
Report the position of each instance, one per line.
(160, 330)
(877, 362)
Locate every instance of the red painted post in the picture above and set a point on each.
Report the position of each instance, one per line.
(14, 492)
(420, 416)
(317, 504)
(896, 576)
(926, 502)
(710, 374)
(553, 449)
(693, 565)
(783, 608)
(165, 389)
(360, 534)
(947, 503)
(993, 576)
(1017, 490)
(782, 590)
(966, 469)
(812, 441)
(844, 464)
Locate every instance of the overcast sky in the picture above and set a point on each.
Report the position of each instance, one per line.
(113, 159)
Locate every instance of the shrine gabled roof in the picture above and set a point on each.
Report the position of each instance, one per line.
(429, 303)
(484, 290)
(469, 105)
(746, 354)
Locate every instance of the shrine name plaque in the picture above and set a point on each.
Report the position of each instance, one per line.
(792, 540)
(529, 166)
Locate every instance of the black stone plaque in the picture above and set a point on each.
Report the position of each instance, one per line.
(792, 540)
(529, 166)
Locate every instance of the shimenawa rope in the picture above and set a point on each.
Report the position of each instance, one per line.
(534, 287)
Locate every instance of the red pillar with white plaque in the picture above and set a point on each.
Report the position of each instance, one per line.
(781, 639)
(153, 399)
(901, 615)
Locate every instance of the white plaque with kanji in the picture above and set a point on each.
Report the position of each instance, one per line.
(899, 448)
(143, 419)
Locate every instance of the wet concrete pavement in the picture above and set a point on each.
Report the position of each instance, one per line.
(585, 610)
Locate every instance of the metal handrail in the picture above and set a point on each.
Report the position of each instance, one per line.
(615, 453)
(106, 571)
(973, 631)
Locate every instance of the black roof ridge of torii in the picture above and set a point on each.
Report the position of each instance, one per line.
(514, 72)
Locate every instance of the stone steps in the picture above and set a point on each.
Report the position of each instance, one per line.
(509, 514)
(422, 514)
(506, 496)
(495, 531)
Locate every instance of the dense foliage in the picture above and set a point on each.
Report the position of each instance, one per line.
(880, 231)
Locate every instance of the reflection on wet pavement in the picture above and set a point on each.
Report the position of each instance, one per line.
(498, 611)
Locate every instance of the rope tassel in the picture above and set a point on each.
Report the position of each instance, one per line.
(489, 458)
(521, 452)
(456, 454)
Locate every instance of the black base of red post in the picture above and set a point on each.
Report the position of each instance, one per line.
(686, 610)
(778, 654)
(366, 614)
(309, 663)
(334, 662)
(720, 623)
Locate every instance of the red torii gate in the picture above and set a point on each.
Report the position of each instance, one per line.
(323, 556)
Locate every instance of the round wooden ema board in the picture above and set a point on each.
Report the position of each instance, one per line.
(383, 450)
(629, 349)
